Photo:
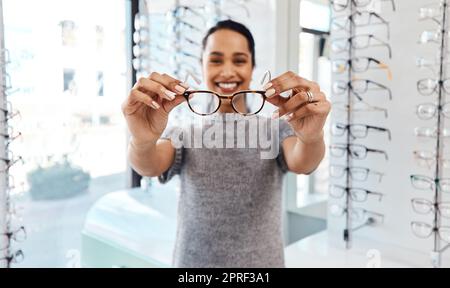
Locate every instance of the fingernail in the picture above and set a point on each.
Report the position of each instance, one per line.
(275, 115)
(180, 89)
(155, 105)
(184, 85)
(170, 94)
(270, 92)
(267, 86)
(287, 117)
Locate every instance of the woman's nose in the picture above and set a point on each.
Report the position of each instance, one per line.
(227, 72)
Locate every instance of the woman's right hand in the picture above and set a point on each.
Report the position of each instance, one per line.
(147, 107)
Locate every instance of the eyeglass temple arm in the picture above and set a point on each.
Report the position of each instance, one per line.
(379, 151)
(381, 129)
(268, 75)
(383, 87)
(393, 5)
(380, 195)
(383, 22)
(192, 75)
(369, 222)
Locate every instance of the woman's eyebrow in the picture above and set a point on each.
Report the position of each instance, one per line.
(240, 54)
(215, 53)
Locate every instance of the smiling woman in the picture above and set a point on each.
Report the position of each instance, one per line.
(229, 212)
(228, 65)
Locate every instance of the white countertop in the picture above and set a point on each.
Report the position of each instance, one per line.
(145, 222)
(317, 251)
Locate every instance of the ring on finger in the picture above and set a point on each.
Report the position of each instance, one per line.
(310, 96)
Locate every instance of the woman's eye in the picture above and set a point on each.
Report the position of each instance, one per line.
(240, 61)
(215, 61)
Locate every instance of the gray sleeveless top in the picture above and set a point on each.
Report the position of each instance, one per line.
(229, 210)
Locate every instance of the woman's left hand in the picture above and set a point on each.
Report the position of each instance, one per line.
(305, 114)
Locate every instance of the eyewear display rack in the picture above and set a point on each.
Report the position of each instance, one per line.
(8, 234)
(3, 177)
(438, 248)
(371, 218)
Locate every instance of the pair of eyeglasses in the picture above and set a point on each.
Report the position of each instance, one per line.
(359, 65)
(356, 151)
(356, 130)
(425, 230)
(428, 159)
(433, 65)
(341, 5)
(358, 19)
(245, 102)
(429, 86)
(428, 132)
(358, 107)
(426, 111)
(9, 113)
(358, 87)
(424, 207)
(5, 58)
(187, 11)
(422, 182)
(356, 173)
(356, 194)
(17, 235)
(13, 258)
(356, 213)
(357, 42)
(10, 160)
(177, 25)
(431, 36)
(431, 12)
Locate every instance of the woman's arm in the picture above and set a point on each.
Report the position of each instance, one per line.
(306, 112)
(151, 159)
(303, 158)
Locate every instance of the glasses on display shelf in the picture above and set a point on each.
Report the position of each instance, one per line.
(431, 11)
(182, 11)
(140, 21)
(6, 83)
(356, 130)
(341, 5)
(358, 19)
(359, 87)
(359, 42)
(356, 194)
(428, 132)
(431, 36)
(422, 182)
(181, 26)
(428, 159)
(433, 65)
(5, 58)
(425, 230)
(17, 235)
(356, 173)
(429, 86)
(13, 258)
(359, 65)
(356, 151)
(358, 107)
(426, 111)
(424, 207)
(356, 213)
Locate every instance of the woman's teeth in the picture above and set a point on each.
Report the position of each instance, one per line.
(227, 86)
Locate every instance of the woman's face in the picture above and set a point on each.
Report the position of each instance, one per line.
(227, 63)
